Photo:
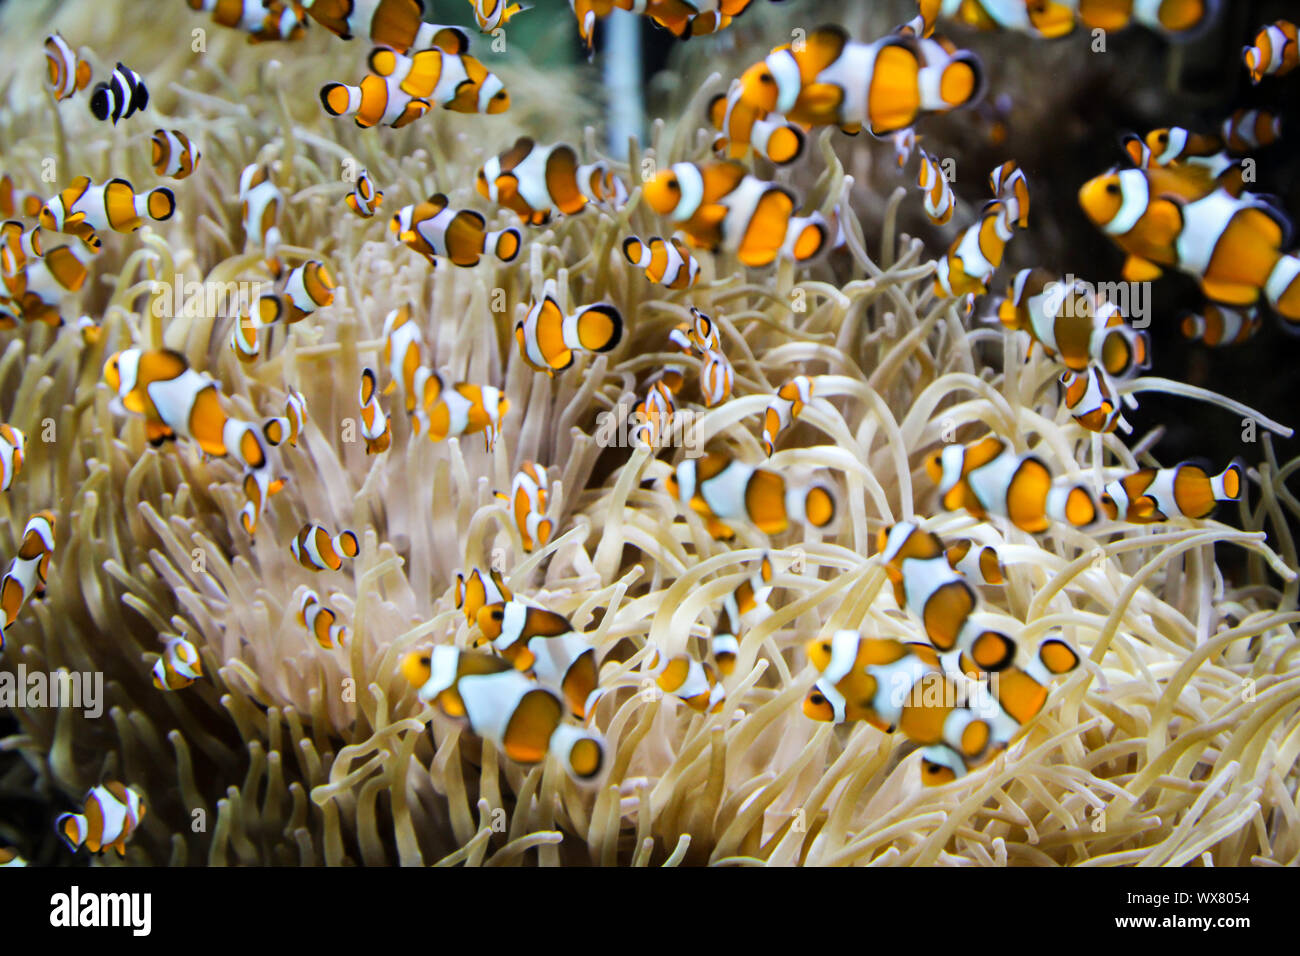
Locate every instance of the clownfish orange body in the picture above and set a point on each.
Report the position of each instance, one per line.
(179, 665)
(665, 261)
(742, 127)
(376, 429)
(448, 411)
(549, 339)
(321, 621)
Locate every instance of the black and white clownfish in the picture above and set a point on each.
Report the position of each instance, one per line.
(474, 590)
(720, 489)
(1275, 52)
(933, 182)
(537, 181)
(491, 14)
(317, 550)
(65, 72)
(376, 429)
(321, 621)
(258, 486)
(365, 199)
(449, 411)
(989, 477)
(527, 503)
(121, 95)
(12, 448)
(178, 666)
(657, 409)
(786, 406)
(403, 344)
(262, 20)
(1094, 400)
(1187, 490)
(665, 261)
(1217, 325)
(693, 681)
(395, 23)
(260, 202)
(112, 205)
(1050, 19)
(742, 127)
(544, 645)
(173, 154)
(548, 338)
(720, 206)
(109, 817)
(432, 228)
(29, 569)
(521, 716)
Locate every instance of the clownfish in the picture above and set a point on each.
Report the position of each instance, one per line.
(316, 550)
(748, 603)
(432, 228)
(36, 289)
(402, 344)
(258, 487)
(1221, 325)
(321, 621)
(1187, 490)
(364, 199)
(121, 95)
(522, 717)
(527, 503)
(262, 20)
(306, 288)
(882, 86)
(1276, 51)
(904, 143)
(544, 645)
(12, 445)
(244, 330)
(1051, 19)
(10, 857)
(473, 591)
(395, 23)
(695, 682)
(260, 202)
(18, 202)
(376, 429)
(490, 14)
(786, 406)
(927, 584)
(720, 206)
(19, 246)
(1249, 129)
(1072, 327)
(65, 72)
(1202, 160)
(173, 154)
(656, 410)
(111, 205)
(288, 427)
(698, 335)
(976, 562)
(899, 687)
(976, 253)
(178, 666)
(1232, 246)
(109, 816)
(722, 489)
(682, 18)
(29, 569)
(988, 477)
(1009, 184)
(536, 181)
(933, 181)
(716, 378)
(741, 128)
(459, 409)
(1093, 400)
(665, 261)
(548, 338)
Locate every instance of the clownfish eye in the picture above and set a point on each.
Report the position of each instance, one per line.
(500, 96)
(498, 615)
(766, 78)
(1113, 189)
(674, 185)
(1162, 138)
(826, 646)
(424, 660)
(816, 699)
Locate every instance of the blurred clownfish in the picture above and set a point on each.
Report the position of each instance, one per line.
(1248, 129)
(364, 199)
(10, 857)
(1221, 325)
(29, 569)
(1050, 19)
(926, 584)
(1276, 51)
(459, 409)
(178, 666)
(20, 245)
(716, 378)
(402, 344)
(933, 181)
(544, 645)
(1009, 184)
(12, 445)
(881, 86)
(260, 204)
(36, 290)
(694, 682)
(316, 550)
(527, 503)
(490, 14)
(18, 202)
(376, 429)
(395, 23)
(976, 562)
(66, 73)
(656, 410)
(904, 143)
(665, 261)
(722, 489)
(548, 338)
(989, 477)
(786, 406)
(1187, 490)
(522, 717)
(262, 20)
(1232, 246)
(474, 590)
(112, 205)
(741, 128)
(121, 95)
(321, 621)
(109, 816)
(173, 154)
(536, 181)
(976, 253)
(288, 427)
(306, 288)
(432, 228)
(1094, 400)
(720, 206)
(682, 18)
(1200, 160)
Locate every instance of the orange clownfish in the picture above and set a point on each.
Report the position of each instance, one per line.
(12, 445)
(522, 717)
(288, 427)
(655, 412)
(172, 154)
(321, 621)
(1187, 490)
(10, 857)
(548, 338)
(722, 489)
(376, 429)
(904, 143)
(665, 261)
(747, 605)
(988, 477)
(66, 73)
(976, 562)
(490, 14)
(933, 181)
(695, 682)
(112, 205)
(260, 203)
(459, 409)
(305, 289)
(475, 590)
(1248, 129)
(536, 181)
(1231, 245)
(178, 666)
(29, 569)
(976, 254)
(716, 378)
(881, 86)
(786, 406)
(364, 199)
(433, 228)
(742, 127)
(403, 342)
(35, 290)
(1221, 325)
(400, 89)
(1050, 19)
(1009, 184)
(698, 335)
(109, 816)
(316, 550)
(1276, 51)
(1093, 400)
(720, 206)
(258, 487)
(527, 503)
(1202, 160)
(682, 18)
(544, 645)
(395, 23)
(18, 202)
(20, 245)
(262, 20)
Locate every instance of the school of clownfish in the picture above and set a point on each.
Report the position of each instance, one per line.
(962, 692)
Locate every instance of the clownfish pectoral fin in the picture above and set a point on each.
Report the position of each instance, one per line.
(1137, 269)
(1229, 293)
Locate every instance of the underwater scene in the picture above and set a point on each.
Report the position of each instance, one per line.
(649, 433)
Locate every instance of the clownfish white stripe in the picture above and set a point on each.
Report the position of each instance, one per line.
(1136, 194)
